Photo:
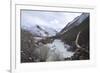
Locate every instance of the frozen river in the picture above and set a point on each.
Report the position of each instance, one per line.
(59, 48)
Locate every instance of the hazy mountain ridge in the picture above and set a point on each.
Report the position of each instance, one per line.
(41, 31)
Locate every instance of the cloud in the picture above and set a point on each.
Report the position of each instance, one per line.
(55, 20)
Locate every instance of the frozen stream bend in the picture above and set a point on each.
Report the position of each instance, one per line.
(59, 48)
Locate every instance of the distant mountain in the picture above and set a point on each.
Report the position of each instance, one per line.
(39, 30)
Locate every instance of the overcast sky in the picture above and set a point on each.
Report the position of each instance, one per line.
(55, 20)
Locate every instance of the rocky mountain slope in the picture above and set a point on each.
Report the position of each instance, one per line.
(77, 35)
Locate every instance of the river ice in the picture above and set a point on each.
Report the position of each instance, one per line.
(60, 48)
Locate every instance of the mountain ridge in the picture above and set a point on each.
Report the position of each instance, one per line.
(39, 30)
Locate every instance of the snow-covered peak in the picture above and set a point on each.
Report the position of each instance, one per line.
(40, 30)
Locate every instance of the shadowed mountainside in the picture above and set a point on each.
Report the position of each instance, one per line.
(77, 35)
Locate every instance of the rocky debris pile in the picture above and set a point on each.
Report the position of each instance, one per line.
(79, 55)
(27, 47)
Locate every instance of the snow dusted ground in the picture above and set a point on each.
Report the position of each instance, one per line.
(57, 47)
